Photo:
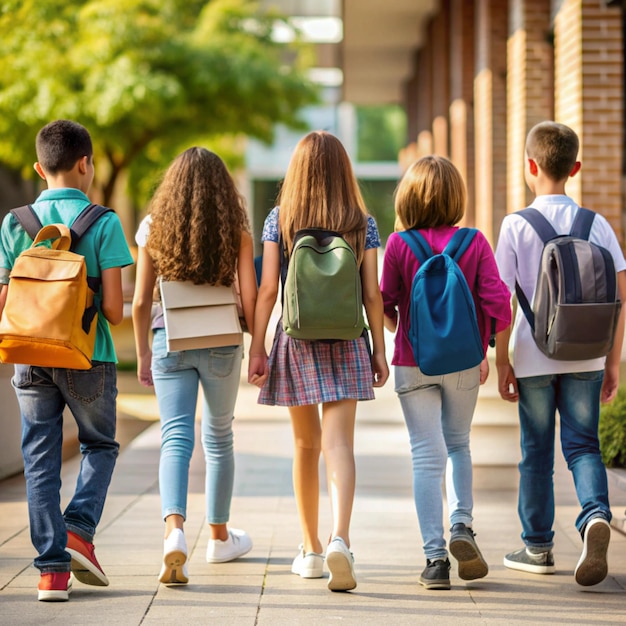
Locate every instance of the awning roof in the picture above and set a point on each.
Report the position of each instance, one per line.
(379, 44)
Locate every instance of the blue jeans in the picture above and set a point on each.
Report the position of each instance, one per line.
(577, 399)
(90, 395)
(176, 378)
(438, 411)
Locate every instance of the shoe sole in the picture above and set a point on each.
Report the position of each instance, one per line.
(529, 567)
(472, 565)
(341, 574)
(85, 571)
(54, 595)
(435, 584)
(172, 569)
(592, 568)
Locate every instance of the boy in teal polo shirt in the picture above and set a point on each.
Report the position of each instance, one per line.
(64, 540)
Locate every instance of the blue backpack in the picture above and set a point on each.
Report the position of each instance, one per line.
(443, 327)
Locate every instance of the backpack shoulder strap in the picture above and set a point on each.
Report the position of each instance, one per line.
(459, 242)
(583, 220)
(539, 222)
(28, 219)
(418, 245)
(86, 218)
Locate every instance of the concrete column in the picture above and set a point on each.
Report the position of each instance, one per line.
(439, 40)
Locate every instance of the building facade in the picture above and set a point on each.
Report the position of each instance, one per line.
(475, 76)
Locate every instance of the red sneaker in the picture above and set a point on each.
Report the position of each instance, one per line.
(54, 587)
(85, 566)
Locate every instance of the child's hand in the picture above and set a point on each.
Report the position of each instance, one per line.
(507, 383)
(144, 370)
(380, 369)
(610, 383)
(484, 371)
(258, 370)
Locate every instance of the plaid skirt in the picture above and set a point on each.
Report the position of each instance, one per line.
(305, 372)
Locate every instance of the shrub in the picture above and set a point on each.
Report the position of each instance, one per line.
(612, 431)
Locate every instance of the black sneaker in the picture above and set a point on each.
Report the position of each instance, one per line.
(533, 560)
(463, 547)
(436, 574)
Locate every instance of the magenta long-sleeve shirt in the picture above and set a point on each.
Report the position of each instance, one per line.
(491, 295)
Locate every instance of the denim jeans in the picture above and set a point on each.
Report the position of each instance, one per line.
(438, 411)
(176, 378)
(90, 395)
(577, 399)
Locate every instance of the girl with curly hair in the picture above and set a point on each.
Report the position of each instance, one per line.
(320, 191)
(197, 230)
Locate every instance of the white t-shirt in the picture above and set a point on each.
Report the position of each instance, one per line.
(518, 255)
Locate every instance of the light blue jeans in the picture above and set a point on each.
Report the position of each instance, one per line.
(438, 411)
(176, 378)
(577, 399)
(43, 393)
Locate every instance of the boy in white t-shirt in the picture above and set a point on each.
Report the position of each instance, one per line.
(542, 385)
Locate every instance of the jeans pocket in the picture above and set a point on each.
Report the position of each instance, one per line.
(469, 379)
(86, 385)
(222, 361)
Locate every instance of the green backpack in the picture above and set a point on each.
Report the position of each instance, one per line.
(322, 294)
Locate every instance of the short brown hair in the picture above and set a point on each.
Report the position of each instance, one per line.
(554, 147)
(431, 193)
(60, 144)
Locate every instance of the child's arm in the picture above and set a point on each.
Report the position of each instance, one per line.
(612, 364)
(507, 383)
(373, 302)
(112, 295)
(266, 299)
(142, 315)
(247, 279)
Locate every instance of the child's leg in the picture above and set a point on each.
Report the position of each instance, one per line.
(220, 373)
(420, 399)
(307, 435)
(90, 396)
(41, 408)
(338, 446)
(176, 389)
(578, 401)
(459, 395)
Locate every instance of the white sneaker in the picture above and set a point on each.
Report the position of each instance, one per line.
(237, 544)
(592, 566)
(174, 568)
(308, 564)
(340, 563)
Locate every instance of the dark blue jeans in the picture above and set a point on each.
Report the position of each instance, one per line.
(577, 399)
(90, 395)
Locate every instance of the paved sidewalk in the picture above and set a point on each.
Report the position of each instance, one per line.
(259, 588)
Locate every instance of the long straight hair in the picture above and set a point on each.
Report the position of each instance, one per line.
(321, 191)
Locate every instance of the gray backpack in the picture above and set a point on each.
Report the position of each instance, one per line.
(576, 303)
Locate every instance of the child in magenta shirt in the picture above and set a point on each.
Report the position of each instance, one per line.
(438, 410)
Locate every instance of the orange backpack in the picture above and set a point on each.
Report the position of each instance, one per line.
(49, 318)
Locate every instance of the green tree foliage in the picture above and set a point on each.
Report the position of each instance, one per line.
(612, 431)
(148, 78)
(381, 132)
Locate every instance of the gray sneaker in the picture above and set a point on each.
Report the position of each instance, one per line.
(463, 547)
(533, 560)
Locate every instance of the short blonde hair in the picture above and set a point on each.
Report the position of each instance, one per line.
(554, 147)
(431, 193)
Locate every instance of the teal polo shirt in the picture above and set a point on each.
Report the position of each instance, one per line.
(103, 246)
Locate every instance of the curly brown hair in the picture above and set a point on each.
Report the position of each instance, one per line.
(197, 217)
